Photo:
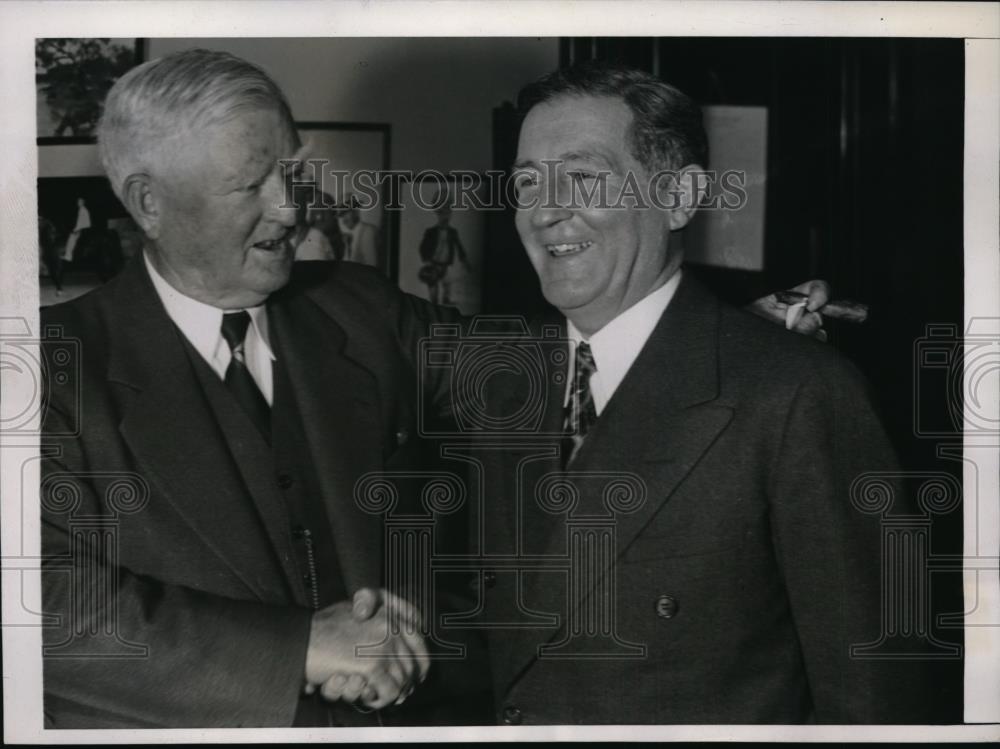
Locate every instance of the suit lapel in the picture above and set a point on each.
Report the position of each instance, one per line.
(523, 463)
(339, 404)
(662, 418)
(169, 426)
(658, 424)
(524, 468)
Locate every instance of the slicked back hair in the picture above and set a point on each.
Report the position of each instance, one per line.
(667, 131)
(177, 94)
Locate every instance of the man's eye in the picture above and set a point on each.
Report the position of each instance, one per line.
(525, 182)
(581, 176)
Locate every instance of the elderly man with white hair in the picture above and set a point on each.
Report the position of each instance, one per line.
(238, 403)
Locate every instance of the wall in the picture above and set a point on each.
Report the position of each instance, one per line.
(437, 93)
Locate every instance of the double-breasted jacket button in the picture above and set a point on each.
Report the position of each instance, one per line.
(402, 436)
(667, 607)
(490, 579)
(512, 716)
(285, 481)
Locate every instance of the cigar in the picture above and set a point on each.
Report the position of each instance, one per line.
(839, 309)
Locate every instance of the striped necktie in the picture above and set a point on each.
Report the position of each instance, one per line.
(580, 411)
(238, 378)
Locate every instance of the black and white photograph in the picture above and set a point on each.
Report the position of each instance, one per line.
(85, 236)
(401, 372)
(441, 236)
(342, 225)
(73, 76)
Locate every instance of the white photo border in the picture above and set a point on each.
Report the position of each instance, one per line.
(21, 22)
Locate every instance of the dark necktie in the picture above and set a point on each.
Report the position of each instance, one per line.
(580, 411)
(238, 378)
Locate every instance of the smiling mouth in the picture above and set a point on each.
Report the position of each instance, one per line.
(568, 248)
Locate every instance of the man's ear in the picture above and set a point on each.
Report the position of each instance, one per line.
(141, 202)
(688, 190)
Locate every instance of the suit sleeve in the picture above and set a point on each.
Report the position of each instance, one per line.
(830, 552)
(194, 659)
(418, 326)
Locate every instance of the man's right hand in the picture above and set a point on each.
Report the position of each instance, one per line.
(395, 657)
(806, 319)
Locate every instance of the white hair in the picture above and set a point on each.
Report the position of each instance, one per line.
(175, 94)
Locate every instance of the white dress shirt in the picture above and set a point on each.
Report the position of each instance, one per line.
(616, 346)
(201, 324)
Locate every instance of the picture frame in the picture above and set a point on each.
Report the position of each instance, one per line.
(443, 267)
(85, 230)
(355, 223)
(72, 79)
(723, 235)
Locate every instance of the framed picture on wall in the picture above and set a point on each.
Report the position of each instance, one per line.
(72, 79)
(728, 231)
(352, 223)
(90, 226)
(441, 239)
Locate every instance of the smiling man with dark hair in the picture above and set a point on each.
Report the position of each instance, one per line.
(743, 581)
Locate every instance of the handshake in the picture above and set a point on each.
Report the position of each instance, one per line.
(369, 652)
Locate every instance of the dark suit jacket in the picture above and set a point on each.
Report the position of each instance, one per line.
(740, 582)
(206, 589)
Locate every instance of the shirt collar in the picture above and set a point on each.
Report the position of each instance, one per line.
(201, 323)
(616, 346)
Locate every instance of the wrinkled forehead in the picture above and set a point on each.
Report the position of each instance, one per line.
(241, 144)
(572, 114)
(570, 126)
(235, 111)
